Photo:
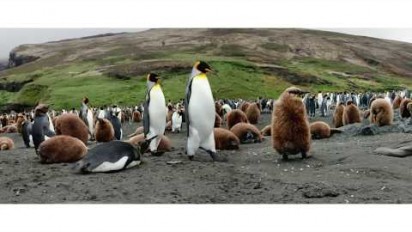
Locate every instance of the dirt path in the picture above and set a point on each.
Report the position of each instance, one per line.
(343, 169)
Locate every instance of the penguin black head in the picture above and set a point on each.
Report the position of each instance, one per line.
(41, 109)
(203, 67)
(153, 77)
(85, 100)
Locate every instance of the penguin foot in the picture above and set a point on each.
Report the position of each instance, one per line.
(190, 157)
(213, 155)
(304, 155)
(217, 158)
(285, 157)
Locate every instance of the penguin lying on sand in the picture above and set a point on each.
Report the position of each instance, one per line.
(110, 157)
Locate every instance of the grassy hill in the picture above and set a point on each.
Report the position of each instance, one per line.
(248, 63)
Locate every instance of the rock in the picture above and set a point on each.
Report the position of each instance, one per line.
(368, 130)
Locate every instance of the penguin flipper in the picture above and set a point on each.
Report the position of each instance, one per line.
(146, 117)
(187, 99)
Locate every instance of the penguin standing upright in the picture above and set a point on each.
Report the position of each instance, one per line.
(154, 116)
(116, 123)
(200, 112)
(26, 133)
(87, 116)
(41, 126)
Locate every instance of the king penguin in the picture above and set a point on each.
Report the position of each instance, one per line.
(87, 116)
(154, 116)
(200, 108)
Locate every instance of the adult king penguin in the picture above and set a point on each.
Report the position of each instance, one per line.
(200, 108)
(87, 116)
(154, 117)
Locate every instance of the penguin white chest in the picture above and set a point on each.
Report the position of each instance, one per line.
(120, 164)
(176, 121)
(201, 106)
(157, 109)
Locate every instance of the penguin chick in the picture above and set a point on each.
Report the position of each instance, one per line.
(403, 108)
(61, 149)
(236, 116)
(247, 133)
(71, 124)
(290, 127)
(322, 130)
(225, 139)
(244, 106)
(338, 115)
(6, 144)
(104, 131)
(137, 117)
(381, 113)
(253, 113)
(351, 114)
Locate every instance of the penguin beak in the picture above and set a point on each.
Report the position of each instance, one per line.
(208, 70)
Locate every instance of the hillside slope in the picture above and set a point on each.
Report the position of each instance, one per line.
(111, 68)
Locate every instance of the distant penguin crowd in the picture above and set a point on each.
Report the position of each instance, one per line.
(92, 137)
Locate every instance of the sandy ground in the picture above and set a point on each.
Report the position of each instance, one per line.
(343, 169)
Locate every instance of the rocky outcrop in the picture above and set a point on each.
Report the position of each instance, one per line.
(13, 86)
(14, 107)
(16, 59)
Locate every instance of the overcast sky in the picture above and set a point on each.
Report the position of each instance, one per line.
(10, 38)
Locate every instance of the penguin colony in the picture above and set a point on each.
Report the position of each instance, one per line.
(210, 125)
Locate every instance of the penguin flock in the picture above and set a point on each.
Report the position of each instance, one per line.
(210, 125)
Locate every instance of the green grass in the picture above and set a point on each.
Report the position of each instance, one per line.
(64, 85)
(31, 94)
(6, 96)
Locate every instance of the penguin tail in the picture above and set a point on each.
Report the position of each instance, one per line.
(335, 131)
